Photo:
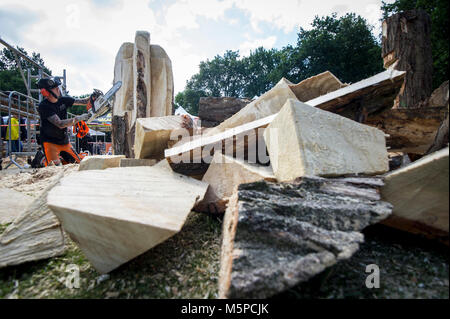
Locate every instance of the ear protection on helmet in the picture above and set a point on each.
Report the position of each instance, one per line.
(45, 93)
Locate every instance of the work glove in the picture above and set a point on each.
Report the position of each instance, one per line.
(82, 117)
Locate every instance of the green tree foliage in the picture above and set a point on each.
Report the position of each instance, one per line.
(10, 78)
(344, 46)
(438, 11)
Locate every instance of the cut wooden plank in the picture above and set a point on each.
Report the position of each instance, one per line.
(140, 207)
(224, 174)
(132, 162)
(278, 235)
(100, 162)
(304, 141)
(12, 203)
(153, 134)
(316, 86)
(245, 141)
(366, 96)
(409, 130)
(161, 82)
(35, 234)
(419, 193)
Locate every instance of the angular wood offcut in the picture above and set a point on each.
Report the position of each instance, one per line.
(131, 210)
(278, 235)
(419, 193)
(100, 162)
(35, 234)
(224, 174)
(153, 134)
(305, 141)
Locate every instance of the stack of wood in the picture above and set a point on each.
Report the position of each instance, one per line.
(297, 172)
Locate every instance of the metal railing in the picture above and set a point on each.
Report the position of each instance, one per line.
(24, 106)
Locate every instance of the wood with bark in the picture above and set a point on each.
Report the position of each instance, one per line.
(214, 110)
(409, 130)
(278, 235)
(406, 43)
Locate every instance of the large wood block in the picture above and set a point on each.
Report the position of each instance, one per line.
(224, 174)
(419, 193)
(161, 82)
(100, 162)
(35, 234)
(131, 210)
(153, 134)
(304, 140)
(278, 235)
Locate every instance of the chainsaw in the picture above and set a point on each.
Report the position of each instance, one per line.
(99, 104)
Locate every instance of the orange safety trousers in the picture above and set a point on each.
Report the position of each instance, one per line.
(52, 152)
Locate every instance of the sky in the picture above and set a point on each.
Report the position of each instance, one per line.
(84, 36)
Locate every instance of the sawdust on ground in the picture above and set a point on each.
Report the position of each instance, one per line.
(32, 181)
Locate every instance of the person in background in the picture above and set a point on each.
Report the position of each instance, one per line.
(13, 136)
(2, 137)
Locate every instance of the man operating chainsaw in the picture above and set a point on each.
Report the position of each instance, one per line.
(54, 122)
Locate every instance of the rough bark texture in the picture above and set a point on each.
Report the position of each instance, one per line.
(119, 136)
(277, 235)
(406, 40)
(409, 130)
(35, 234)
(214, 110)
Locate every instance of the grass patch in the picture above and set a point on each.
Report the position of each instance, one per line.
(184, 266)
(187, 266)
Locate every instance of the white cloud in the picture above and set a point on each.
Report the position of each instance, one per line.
(247, 46)
(84, 36)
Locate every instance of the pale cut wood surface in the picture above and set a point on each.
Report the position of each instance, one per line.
(420, 193)
(35, 234)
(131, 210)
(12, 203)
(306, 141)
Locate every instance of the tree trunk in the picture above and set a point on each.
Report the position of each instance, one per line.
(406, 40)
